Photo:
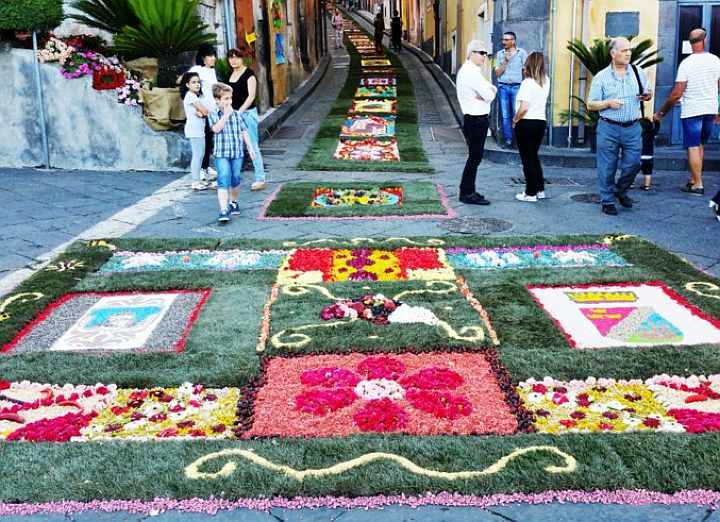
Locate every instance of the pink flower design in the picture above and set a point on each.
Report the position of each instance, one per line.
(380, 382)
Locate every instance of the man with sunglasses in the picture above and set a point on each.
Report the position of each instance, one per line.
(475, 93)
(697, 82)
(509, 71)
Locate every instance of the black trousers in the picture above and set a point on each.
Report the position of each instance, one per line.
(209, 145)
(475, 129)
(529, 135)
(716, 199)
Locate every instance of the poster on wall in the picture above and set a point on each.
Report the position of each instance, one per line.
(279, 48)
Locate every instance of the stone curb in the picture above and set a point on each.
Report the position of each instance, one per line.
(665, 159)
(277, 117)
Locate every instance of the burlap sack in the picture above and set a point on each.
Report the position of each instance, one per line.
(148, 67)
(163, 108)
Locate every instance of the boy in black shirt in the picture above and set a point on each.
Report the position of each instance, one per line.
(650, 129)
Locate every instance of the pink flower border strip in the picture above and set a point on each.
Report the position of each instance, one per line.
(444, 201)
(634, 497)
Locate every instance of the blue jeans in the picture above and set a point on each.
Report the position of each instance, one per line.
(506, 98)
(228, 172)
(610, 140)
(250, 117)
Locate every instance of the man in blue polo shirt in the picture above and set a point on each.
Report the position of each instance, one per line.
(615, 94)
(509, 63)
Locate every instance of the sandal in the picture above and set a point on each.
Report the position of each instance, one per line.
(646, 188)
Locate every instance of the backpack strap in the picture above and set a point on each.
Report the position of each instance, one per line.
(640, 88)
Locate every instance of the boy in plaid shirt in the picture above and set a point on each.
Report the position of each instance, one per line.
(230, 131)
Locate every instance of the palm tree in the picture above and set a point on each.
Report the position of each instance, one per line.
(108, 15)
(165, 30)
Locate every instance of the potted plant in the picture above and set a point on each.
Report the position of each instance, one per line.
(595, 58)
(166, 30)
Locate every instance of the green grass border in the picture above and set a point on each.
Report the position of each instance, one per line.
(292, 201)
(412, 153)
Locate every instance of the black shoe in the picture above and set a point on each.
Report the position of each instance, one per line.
(694, 191)
(610, 210)
(474, 199)
(625, 201)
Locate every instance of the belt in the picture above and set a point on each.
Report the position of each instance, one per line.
(510, 84)
(620, 123)
(476, 115)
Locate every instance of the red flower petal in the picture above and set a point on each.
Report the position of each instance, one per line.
(381, 415)
(442, 405)
(4, 385)
(322, 402)
(330, 378)
(433, 379)
(381, 367)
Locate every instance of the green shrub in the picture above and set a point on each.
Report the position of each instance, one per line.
(24, 15)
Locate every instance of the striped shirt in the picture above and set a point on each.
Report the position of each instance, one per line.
(229, 141)
(701, 71)
(606, 85)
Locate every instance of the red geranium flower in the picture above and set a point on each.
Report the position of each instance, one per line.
(379, 381)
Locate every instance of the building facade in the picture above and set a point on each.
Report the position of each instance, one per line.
(442, 28)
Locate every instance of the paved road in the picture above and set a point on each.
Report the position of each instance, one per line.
(41, 211)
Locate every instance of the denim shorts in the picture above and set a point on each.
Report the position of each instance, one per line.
(228, 172)
(697, 130)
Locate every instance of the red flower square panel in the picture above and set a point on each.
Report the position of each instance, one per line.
(415, 394)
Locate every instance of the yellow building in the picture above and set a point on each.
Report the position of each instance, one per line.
(442, 28)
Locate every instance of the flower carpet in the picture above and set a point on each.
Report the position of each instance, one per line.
(374, 116)
(359, 371)
(361, 200)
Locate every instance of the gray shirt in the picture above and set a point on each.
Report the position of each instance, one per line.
(513, 72)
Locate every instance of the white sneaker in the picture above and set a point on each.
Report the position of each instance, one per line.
(211, 174)
(199, 185)
(258, 185)
(524, 197)
(716, 208)
(540, 195)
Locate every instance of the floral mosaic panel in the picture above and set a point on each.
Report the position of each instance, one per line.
(693, 401)
(371, 82)
(595, 405)
(367, 150)
(541, 256)
(626, 314)
(418, 394)
(374, 106)
(326, 197)
(375, 63)
(366, 315)
(214, 260)
(49, 413)
(100, 322)
(377, 91)
(368, 126)
(315, 265)
(189, 411)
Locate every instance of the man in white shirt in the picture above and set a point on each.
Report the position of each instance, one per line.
(475, 93)
(697, 83)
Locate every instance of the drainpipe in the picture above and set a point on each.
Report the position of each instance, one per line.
(41, 103)
(584, 31)
(572, 73)
(230, 42)
(551, 72)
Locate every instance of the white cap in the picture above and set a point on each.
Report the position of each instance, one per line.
(475, 45)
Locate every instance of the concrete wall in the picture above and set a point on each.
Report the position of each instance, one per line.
(87, 129)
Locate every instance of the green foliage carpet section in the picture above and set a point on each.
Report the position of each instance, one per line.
(30, 14)
(293, 200)
(123, 470)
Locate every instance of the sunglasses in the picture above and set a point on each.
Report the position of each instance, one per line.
(481, 53)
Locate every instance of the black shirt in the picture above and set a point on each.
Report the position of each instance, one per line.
(240, 89)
